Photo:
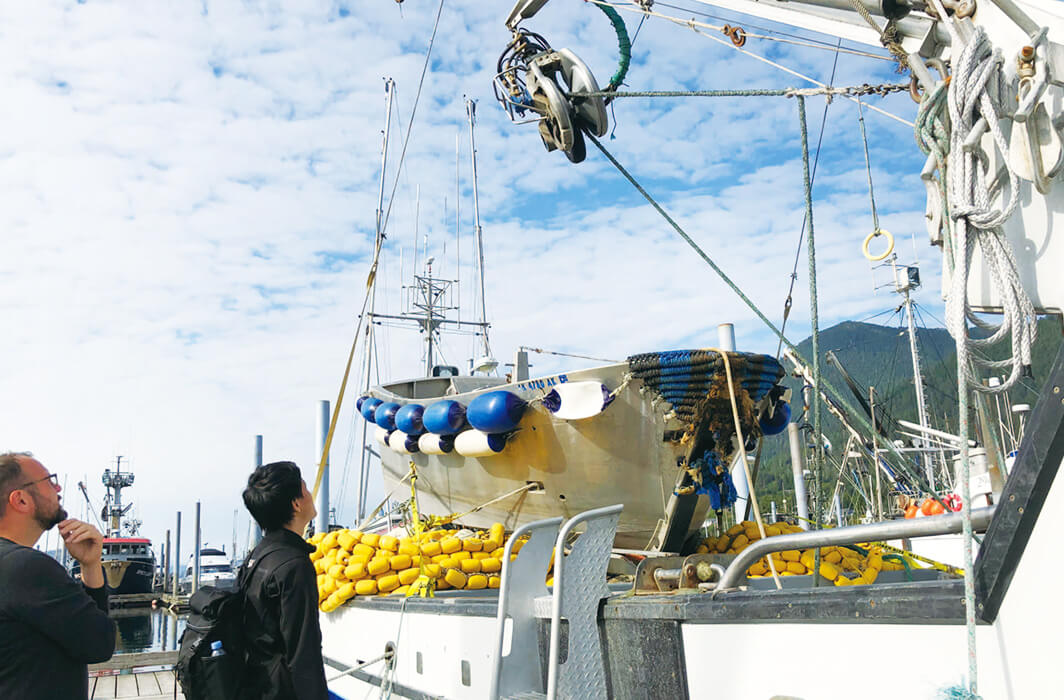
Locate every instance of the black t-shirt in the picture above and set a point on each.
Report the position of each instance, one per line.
(51, 627)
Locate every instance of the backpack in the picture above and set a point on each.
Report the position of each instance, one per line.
(216, 616)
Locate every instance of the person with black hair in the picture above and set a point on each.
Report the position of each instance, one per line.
(283, 636)
(51, 627)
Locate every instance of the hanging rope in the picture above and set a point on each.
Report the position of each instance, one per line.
(789, 301)
(741, 441)
(818, 434)
(888, 36)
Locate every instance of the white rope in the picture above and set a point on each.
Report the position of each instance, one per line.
(977, 223)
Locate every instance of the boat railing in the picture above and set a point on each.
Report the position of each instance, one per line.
(892, 529)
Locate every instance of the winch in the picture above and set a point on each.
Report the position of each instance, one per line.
(554, 85)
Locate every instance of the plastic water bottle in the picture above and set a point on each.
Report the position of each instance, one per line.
(216, 648)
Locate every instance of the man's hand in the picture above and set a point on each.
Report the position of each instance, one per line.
(82, 540)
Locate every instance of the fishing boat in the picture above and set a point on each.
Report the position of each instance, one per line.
(693, 616)
(128, 560)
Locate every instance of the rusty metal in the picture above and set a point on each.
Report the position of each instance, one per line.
(736, 34)
(658, 575)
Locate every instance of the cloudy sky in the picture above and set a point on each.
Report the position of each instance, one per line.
(189, 192)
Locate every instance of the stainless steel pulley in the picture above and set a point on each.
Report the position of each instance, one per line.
(559, 84)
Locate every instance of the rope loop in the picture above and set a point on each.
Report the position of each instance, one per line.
(876, 234)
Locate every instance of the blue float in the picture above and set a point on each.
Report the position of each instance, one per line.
(369, 408)
(358, 404)
(496, 411)
(408, 419)
(777, 422)
(444, 417)
(384, 416)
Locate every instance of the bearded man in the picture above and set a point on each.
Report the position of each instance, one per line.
(51, 627)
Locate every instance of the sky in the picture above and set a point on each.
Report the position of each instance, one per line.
(189, 198)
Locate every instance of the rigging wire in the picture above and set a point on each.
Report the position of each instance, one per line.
(695, 27)
(413, 114)
(915, 478)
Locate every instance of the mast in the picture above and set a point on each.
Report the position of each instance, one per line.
(389, 88)
(904, 287)
(114, 482)
(471, 111)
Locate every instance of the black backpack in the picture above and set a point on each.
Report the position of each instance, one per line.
(216, 616)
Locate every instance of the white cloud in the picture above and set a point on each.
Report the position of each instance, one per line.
(190, 204)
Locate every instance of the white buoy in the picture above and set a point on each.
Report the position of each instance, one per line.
(433, 444)
(473, 443)
(580, 400)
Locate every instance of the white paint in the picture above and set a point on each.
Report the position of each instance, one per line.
(356, 633)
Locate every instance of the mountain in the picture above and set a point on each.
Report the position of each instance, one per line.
(879, 357)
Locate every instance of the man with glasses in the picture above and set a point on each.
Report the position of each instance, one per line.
(51, 627)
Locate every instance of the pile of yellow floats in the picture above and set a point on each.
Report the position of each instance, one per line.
(351, 563)
(841, 565)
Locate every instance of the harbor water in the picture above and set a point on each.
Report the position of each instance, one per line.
(147, 629)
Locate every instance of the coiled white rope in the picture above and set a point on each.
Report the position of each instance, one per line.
(977, 223)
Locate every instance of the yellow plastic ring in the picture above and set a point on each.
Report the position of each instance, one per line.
(885, 253)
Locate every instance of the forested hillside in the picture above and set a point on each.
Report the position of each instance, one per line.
(879, 357)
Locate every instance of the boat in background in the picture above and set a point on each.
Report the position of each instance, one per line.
(128, 560)
(216, 569)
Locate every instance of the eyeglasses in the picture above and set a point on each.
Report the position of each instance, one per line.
(54, 478)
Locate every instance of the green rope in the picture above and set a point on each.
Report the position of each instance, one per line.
(818, 433)
(624, 45)
(829, 388)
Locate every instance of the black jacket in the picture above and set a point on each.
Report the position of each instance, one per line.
(281, 622)
(51, 627)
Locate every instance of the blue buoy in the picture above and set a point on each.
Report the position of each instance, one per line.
(496, 411)
(777, 422)
(408, 419)
(444, 417)
(369, 408)
(384, 416)
(358, 404)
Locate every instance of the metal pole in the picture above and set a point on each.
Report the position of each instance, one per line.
(471, 110)
(947, 523)
(801, 500)
(726, 337)
(196, 554)
(742, 488)
(458, 219)
(389, 87)
(166, 561)
(918, 385)
(177, 556)
(321, 522)
(875, 453)
(256, 531)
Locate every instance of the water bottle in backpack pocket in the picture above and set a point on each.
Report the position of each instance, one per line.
(210, 663)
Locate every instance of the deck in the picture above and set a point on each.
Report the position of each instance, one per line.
(158, 685)
(144, 675)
